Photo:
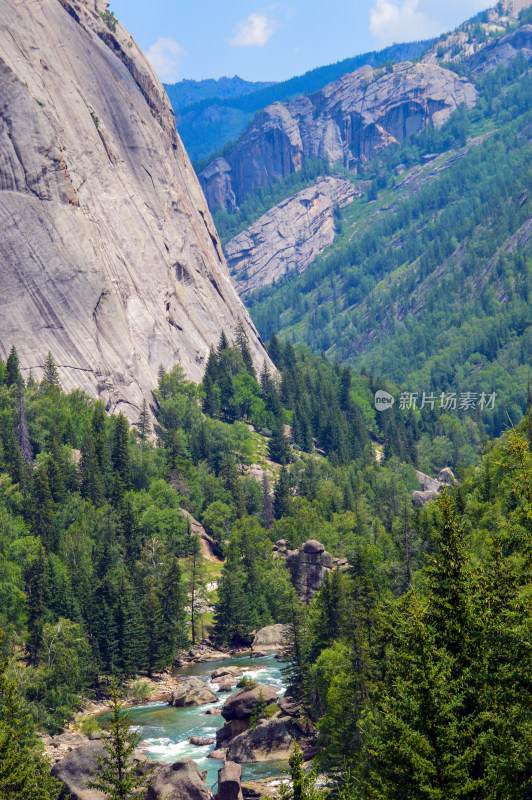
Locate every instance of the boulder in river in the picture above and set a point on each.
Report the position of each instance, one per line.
(201, 741)
(269, 639)
(242, 703)
(270, 740)
(223, 672)
(192, 692)
(169, 781)
(178, 781)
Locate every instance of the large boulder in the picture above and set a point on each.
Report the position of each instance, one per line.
(270, 740)
(179, 781)
(224, 672)
(168, 781)
(270, 638)
(75, 769)
(229, 777)
(192, 692)
(242, 703)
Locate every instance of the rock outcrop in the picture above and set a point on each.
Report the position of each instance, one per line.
(503, 51)
(192, 692)
(110, 259)
(348, 121)
(289, 236)
(431, 487)
(308, 566)
(170, 781)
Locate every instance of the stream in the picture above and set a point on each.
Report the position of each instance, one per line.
(165, 730)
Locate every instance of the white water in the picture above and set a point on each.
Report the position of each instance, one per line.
(166, 730)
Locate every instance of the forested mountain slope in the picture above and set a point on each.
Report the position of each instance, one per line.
(428, 278)
(212, 124)
(109, 257)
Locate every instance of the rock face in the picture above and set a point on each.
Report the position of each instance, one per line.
(308, 567)
(289, 236)
(192, 692)
(109, 256)
(269, 639)
(348, 121)
(504, 50)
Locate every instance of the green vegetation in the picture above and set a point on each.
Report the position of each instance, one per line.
(424, 690)
(433, 291)
(109, 19)
(205, 134)
(116, 772)
(261, 200)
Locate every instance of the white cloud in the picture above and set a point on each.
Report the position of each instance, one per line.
(254, 31)
(407, 20)
(165, 57)
(391, 21)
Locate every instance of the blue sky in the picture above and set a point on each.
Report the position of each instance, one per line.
(273, 41)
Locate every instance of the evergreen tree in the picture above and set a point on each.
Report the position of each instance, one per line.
(223, 343)
(232, 616)
(242, 342)
(101, 448)
(50, 379)
(268, 514)
(173, 601)
(43, 508)
(13, 375)
(120, 454)
(36, 588)
(278, 448)
(281, 495)
(116, 773)
(24, 772)
(23, 436)
(144, 424)
(195, 584)
(153, 618)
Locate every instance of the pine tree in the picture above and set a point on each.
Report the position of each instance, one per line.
(275, 351)
(13, 375)
(101, 448)
(35, 586)
(223, 343)
(24, 772)
(278, 448)
(173, 602)
(43, 508)
(23, 436)
(281, 495)
(242, 342)
(120, 454)
(303, 782)
(144, 424)
(50, 379)
(116, 772)
(153, 618)
(232, 616)
(296, 651)
(195, 584)
(268, 515)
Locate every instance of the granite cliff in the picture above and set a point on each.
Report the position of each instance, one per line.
(290, 235)
(347, 122)
(109, 257)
